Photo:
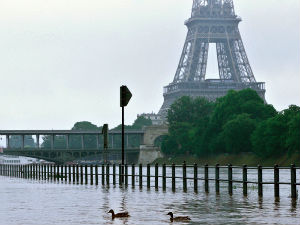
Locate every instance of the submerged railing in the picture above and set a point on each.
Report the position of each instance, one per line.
(89, 174)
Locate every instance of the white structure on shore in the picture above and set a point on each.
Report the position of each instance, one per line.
(155, 118)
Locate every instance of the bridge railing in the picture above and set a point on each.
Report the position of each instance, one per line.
(69, 138)
(164, 177)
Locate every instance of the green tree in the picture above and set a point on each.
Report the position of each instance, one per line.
(278, 135)
(293, 137)
(237, 133)
(229, 107)
(188, 118)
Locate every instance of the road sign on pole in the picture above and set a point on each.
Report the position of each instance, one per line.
(125, 96)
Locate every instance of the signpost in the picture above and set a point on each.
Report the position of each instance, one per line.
(125, 96)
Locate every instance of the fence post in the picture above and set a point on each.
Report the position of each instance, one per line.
(48, 172)
(114, 174)
(156, 176)
(259, 181)
(66, 173)
(34, 171)
(206, 178)
(217, 178)
(40, 171)
(81, 174)
(57, 171)
(73, 173)
(164, 172)
(91, 174)
(120, 175)
(173, 178)
(43, 167)
(126, 174)
(148, 175)
(141, 175)
(51, 172)
(107, 174)
(62, 172)
(86, 174)
(245, 180)
(96, 174)
(132, 175)
(230, 179)
(293, 182)
(103, 174)
(276, 181)
(69, 172)
(184, 177)
(195, 177)
(77, 174)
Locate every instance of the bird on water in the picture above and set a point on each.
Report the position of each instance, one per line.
(178, 218)
(118, 215)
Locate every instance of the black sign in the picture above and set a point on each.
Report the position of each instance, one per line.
(125, 96)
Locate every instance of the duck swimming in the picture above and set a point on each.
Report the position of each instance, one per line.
(118, 215)
(178, 218)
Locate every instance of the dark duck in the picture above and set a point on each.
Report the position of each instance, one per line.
(118, 215)
(178, 218)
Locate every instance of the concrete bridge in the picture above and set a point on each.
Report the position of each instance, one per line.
(75, 144)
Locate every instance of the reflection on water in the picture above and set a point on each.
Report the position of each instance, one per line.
(42, 203)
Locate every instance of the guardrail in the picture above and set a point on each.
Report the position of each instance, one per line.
(89, 174)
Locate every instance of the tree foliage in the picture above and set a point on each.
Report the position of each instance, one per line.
(237, 122)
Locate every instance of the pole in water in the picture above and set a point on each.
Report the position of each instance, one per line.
(125, 96)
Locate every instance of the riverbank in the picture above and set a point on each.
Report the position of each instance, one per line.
(237, 160)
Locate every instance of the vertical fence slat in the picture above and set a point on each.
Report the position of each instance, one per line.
(230, 179)
(184, 183)
(259, 181)
(140, 175)
(156, 176)
(133, 175)
(91, 174)
(173, 178)
(217, 177)
(195, 177)
(107, 174)
(81, 174)
(148, 175)
(206, 178)
(276, 181)
(164, 179)
(293, 182)
(114, 174)
(96, 174)
(86, 174)
(120, 175)
(245, 180)
(126, 174)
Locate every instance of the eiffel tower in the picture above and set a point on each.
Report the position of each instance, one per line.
(212, 21)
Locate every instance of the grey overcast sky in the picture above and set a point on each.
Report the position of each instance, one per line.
(62, 61)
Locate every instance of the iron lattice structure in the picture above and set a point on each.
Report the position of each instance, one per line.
(212, 21)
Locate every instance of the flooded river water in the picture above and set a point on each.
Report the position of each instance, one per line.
(31, 202)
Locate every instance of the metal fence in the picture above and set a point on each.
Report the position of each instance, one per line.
(156, 176)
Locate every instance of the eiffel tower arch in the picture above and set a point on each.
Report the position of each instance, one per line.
(212, 21)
